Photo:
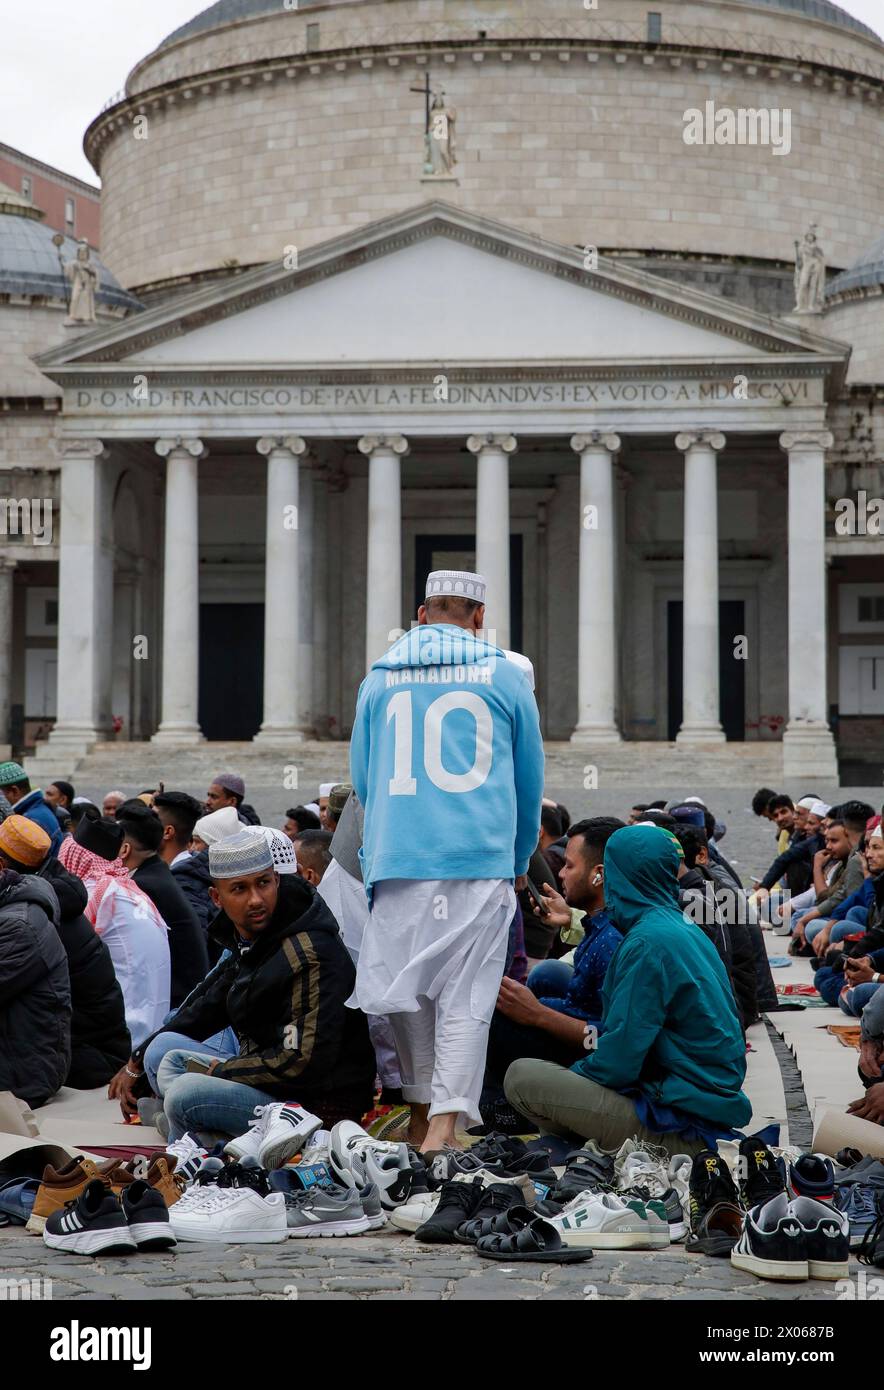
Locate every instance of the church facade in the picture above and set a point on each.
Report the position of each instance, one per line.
(397, 292)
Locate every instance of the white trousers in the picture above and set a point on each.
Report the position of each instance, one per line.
(432, 959)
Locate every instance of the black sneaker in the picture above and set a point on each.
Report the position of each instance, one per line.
(773, 1244)
(412, 1182)
(499, 1117)
(458, 1201)
(812, 1176)
(762, 1174)
(148, 1217)
(827, 1237)
(584, 1172)
(93, 1224)
(497, 1198)
(716, 1214)
(247, 1173)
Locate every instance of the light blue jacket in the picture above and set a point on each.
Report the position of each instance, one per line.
(446, 756)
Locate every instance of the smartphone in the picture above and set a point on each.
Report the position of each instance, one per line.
(540, 904)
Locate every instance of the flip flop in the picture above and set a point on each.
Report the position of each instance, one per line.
(539, 1242)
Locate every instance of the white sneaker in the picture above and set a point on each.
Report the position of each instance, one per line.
(636, 1168)
(413, 1214)
(317, 1148)
(189, 1155)
(602, 1221)
(356, 1158)
(229, 1216)
(248, 1145)
(286, 1132)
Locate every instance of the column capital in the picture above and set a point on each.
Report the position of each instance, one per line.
(596, 439)
(179, 444)
(505, 443)
(279, 444)
(81, 448)
(806, 439)
(394, 443)
(705, 439)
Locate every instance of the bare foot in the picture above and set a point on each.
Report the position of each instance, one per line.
(440, 1134)
(418, 1125)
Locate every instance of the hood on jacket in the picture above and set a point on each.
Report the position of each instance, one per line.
(437, 644)
(29, 889)
(298, 909)
(641, 873)
(71, 891)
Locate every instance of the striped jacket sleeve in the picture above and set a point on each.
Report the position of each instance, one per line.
(309, 1029)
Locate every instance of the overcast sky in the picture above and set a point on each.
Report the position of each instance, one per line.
(61, 59)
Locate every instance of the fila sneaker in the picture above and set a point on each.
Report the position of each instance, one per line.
(92, 1224)
(603, 1221)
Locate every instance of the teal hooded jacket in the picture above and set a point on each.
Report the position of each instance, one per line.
(670, 1035)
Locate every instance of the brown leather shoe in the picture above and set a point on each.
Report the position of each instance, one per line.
(161, 1175)
(60, 1186)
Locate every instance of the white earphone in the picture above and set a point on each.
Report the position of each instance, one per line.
(597, 880)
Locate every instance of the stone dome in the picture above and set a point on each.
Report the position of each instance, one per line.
(866, 271)
(29, 259)
(232, 11)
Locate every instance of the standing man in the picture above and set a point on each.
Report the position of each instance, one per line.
(446, 756)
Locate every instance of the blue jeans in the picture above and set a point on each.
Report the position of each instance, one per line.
(208, 1106)
(224, 1044)
(856, 998)
(850, 926)
(550, 979)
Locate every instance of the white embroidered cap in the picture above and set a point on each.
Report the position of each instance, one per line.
(456, 584)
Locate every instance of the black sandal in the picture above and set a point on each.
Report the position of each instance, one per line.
(538, 1242)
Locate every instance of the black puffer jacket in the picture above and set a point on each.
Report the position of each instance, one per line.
(100, 1042)
(284, 998)
(35, 991)
(192, 877)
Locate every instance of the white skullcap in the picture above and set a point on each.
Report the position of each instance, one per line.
(283, 851)
(457, 584)
(313, 806)
(819, 808)
(217, 826)
(325, 788)
(808, 802)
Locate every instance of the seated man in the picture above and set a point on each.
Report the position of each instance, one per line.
(871, 1062)
(548, 1017)
(100, 1040)
(282, 989)
(16, 788)
(670, 1060)
(843, 836)
(35, 990)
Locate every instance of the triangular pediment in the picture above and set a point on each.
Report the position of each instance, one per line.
(438, 286)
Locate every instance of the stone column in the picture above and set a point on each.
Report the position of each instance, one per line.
(493, 526)
(383, 608)
(808, 745)
(124, 664)
(282, 623)
(7, 572)
(179, 700)
(85, 603)
(701, 708)
(596, 641)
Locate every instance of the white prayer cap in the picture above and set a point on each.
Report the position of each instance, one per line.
(456, 584)
(524, 663)
(325, 788)
(819, 808)
(313, 806)
(217, 826)
(808, 802)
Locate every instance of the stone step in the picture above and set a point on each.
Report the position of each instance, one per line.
(303, 765)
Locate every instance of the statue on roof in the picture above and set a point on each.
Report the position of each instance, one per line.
(84, 284)
(441, 155)
(810, 274)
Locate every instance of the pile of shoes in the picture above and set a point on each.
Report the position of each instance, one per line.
(859, 1194)
(791, 1228)
(88, 1208)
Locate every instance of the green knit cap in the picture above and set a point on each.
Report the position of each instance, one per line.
(11, 774)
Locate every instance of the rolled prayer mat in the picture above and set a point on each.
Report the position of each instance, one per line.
(835, 1130)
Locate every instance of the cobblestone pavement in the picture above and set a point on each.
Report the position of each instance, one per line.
(388, 1266)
